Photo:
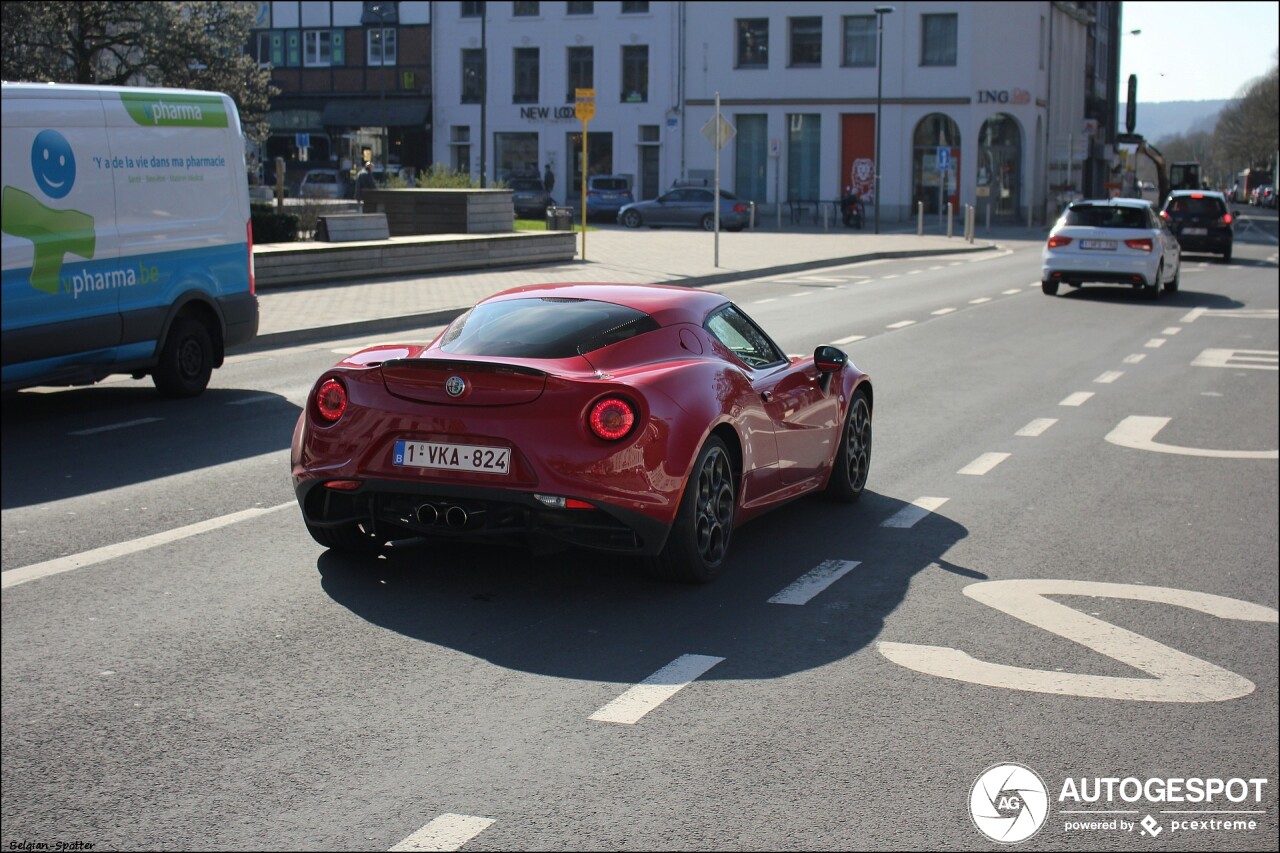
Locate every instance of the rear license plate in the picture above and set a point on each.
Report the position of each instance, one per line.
(1195, 232)
(453, 457)
(1098, 244)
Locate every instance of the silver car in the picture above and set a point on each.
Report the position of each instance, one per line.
(1116, 240)
(689, 206)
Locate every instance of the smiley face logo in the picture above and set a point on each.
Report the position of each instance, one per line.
(53, 164)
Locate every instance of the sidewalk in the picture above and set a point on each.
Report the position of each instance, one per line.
(300, 313)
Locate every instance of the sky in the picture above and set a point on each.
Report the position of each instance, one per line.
(1196, 51)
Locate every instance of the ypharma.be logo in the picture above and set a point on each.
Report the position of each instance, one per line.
(1009, 803)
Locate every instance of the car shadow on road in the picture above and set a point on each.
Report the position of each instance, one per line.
(79, 441)
(599, 617)
(1121, 295)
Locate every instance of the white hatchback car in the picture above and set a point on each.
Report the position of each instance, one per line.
(1115, 240)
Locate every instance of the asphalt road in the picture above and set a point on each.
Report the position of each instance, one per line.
(1066, 560)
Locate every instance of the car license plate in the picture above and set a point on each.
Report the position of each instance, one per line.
(453, 457)
(1195, 232)
(1098, 244)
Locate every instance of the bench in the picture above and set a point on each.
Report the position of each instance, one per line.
(348, 227)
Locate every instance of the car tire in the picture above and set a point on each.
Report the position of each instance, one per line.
(1050, 288)
(709, 222)
(699, 539)
(852, 462)
(1152, 290)
(1171, 286)
(631, 219)
(186, 359)
(350, 538)
(1226, 256)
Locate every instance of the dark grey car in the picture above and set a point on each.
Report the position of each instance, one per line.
(688, 206)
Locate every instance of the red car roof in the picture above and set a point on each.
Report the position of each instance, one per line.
(666, 304)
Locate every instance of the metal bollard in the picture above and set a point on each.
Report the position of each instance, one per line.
(778, 207)
(988, 217)
(919, 219)
(951, 221)
(825, 212)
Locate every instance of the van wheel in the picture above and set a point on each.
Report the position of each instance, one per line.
(186, 360)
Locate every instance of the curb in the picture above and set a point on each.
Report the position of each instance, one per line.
(296, 337)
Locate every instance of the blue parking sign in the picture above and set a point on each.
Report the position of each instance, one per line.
(944, 159)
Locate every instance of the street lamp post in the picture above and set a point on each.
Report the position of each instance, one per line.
(383, 11)
(881, 11)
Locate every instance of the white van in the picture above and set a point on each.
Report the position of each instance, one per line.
(127, 245)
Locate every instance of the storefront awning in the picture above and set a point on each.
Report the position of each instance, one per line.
(376, 113)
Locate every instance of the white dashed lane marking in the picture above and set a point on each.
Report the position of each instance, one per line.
(1079, 398)
(849, 340)
(814, 582)
(942, 311)
(656, 689)
(1155, 343)
(1109, 377)
(908, 516)
(1135, 358)
(901, 325)
(1036, 427)
(108, 427)
(447, 832)
(983, 464)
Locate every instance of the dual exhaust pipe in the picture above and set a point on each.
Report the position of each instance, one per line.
(452, 516)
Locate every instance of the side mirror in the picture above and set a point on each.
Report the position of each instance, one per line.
(828, 359)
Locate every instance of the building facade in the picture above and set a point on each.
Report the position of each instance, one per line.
(354, 81)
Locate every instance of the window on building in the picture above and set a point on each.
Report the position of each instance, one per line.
(526, 9)
(262, 42)
(382, 47)
(317, 48)
(460, 143)
(472, 8)
(580, 8)
(635, 73)
(515, 155)
(753, 42)
(938, 39)
(806, 41)
(472, 75)
(635, 8)
(582, 73)
(524, 89)
(860, 41)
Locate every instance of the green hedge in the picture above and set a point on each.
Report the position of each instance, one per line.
(271, 225)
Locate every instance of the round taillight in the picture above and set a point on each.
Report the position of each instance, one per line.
(612, 418)
(331, 400)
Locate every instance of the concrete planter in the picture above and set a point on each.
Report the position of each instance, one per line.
(442, 211)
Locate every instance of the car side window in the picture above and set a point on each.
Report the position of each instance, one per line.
(743, 338)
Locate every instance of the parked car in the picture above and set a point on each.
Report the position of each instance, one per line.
(1116, 240)
(606, 195)
(636, 419)
(529, 196)
(690, 206)
(323, 183)
(1201, 220)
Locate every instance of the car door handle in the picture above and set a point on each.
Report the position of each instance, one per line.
(767, 396)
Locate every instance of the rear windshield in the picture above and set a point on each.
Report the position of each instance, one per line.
(1107, 216)
(525, 184)
(543, 328)
(321, 178)
(609, 183)
(1187, 205)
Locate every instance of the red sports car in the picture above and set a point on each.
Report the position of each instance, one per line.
(641, 419)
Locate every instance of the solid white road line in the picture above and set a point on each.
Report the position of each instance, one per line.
(814, 581)
(984, 463)
(909, 515)
(1135, 358)
(92, 430)
(34, 571)
(447, 832)
(1077, 399)
(1109, 377)
(1036, 427)
(654, 690)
